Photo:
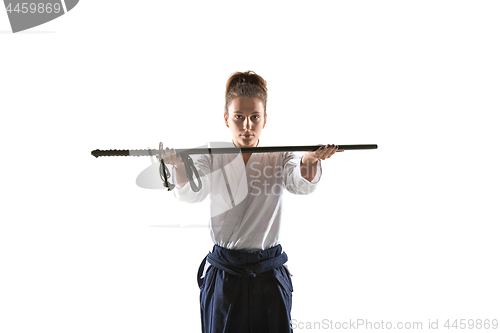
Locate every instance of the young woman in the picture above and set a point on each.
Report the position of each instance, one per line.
(245, 286)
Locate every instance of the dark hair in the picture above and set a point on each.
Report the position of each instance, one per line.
(246, 84)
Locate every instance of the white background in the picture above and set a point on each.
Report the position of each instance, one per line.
(407, 232)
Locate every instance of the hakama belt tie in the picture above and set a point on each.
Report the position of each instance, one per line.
(216, 260)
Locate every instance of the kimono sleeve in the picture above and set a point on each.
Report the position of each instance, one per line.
(294, 182)
(203, 164)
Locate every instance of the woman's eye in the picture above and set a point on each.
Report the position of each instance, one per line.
(239, 117)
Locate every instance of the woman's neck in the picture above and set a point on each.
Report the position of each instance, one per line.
(258, 141)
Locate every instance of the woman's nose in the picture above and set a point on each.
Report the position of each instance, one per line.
(247, 123)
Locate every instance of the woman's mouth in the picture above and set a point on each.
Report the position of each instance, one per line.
(247, 135)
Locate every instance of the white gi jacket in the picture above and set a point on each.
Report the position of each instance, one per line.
(246, 201)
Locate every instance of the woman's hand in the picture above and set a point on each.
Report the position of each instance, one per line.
(321, 153)
(170, 156)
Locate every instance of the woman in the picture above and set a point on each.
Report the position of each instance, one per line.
(245, 286)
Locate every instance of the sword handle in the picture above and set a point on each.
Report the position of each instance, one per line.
(114, 152)
(125, 152)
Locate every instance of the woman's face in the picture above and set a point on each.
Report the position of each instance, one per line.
(246, 120)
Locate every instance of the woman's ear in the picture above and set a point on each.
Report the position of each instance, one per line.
(225, 120)
(265, 120)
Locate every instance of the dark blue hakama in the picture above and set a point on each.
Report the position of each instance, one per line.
(245, 291)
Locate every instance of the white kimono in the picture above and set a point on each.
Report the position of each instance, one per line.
(246, 201)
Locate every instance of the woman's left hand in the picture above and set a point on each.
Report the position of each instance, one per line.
(321, 153)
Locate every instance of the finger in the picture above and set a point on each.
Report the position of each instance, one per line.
(174, 157)
(170, 157)
(330, 150)
(165, 155)
(322, 152)
(177, 157)
(318, 152)
(337, 150)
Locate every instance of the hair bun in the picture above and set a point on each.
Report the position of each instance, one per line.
(249, 77)
(246, 84)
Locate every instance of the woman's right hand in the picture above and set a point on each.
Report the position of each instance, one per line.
(170, 156)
